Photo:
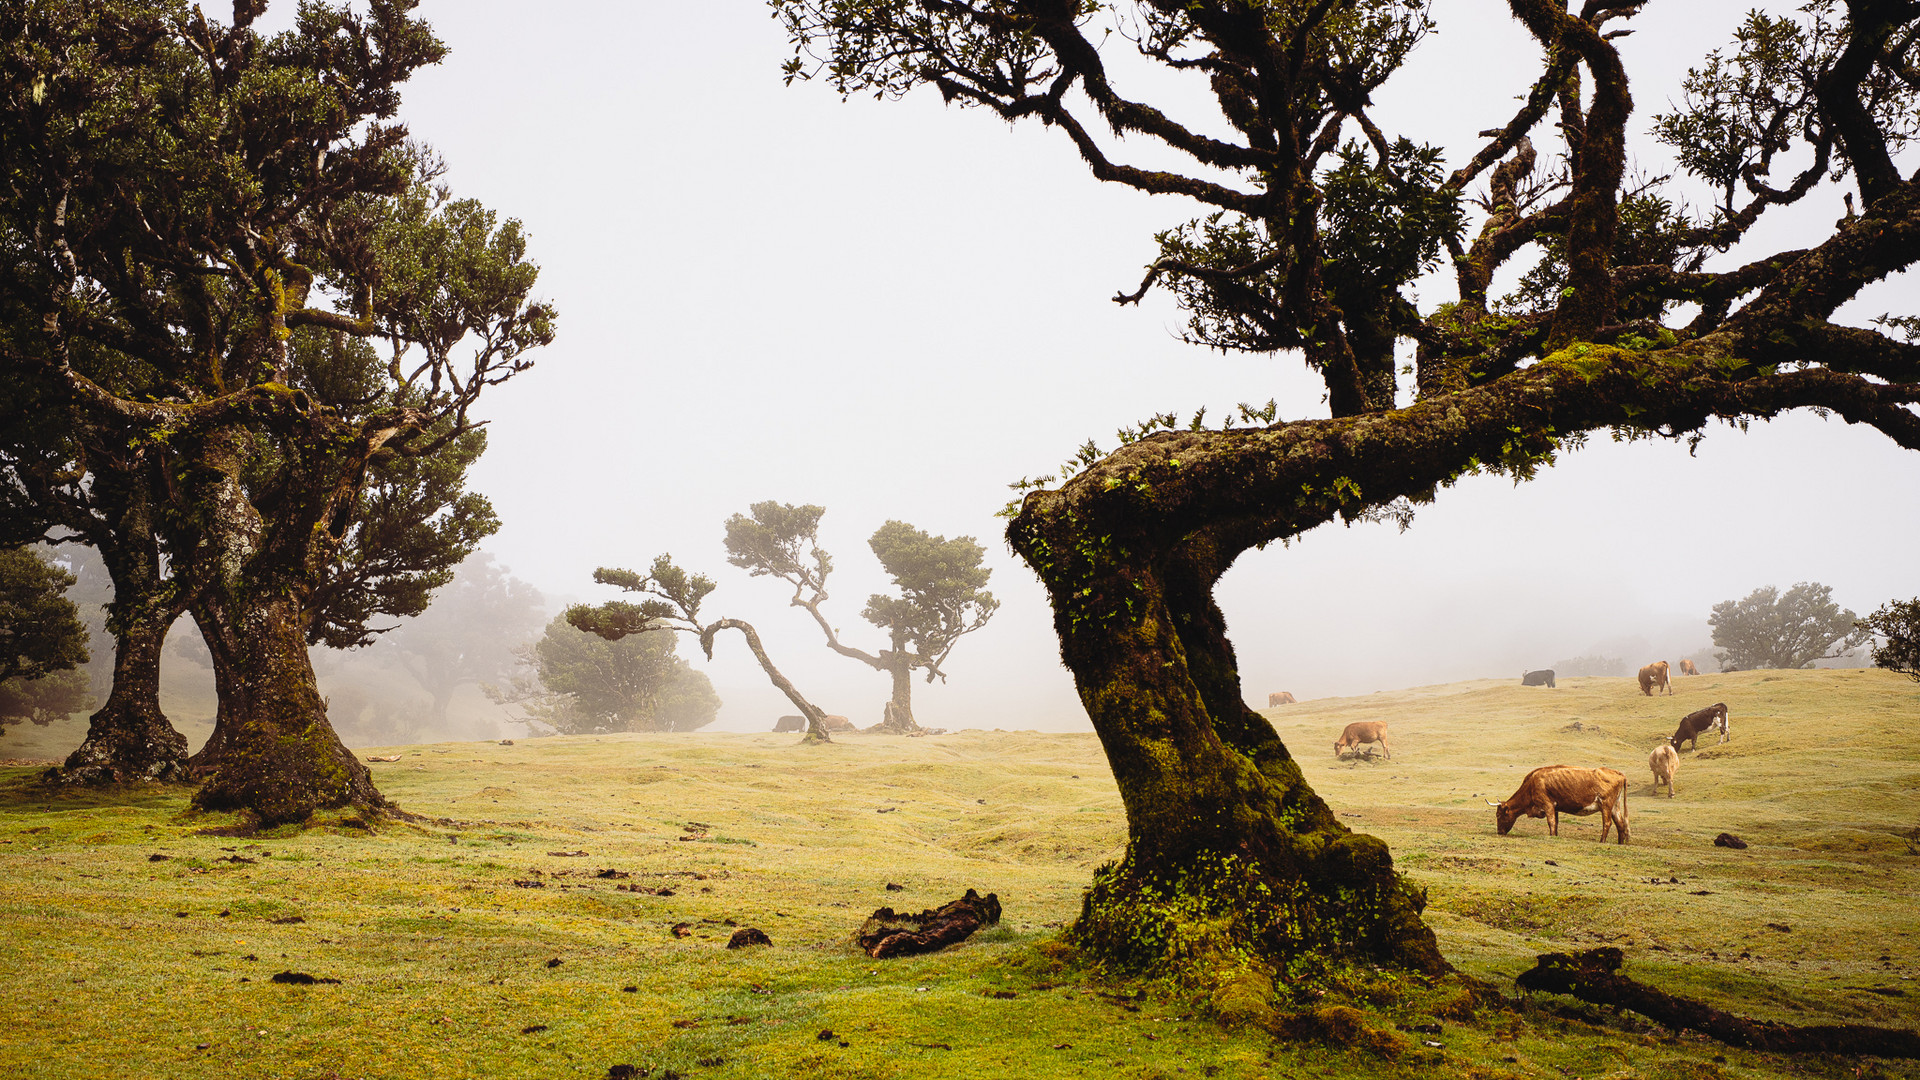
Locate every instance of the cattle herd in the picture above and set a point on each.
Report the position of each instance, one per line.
(1552, 790)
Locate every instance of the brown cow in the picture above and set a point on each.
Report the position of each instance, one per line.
(1654, 674)
(1687, 668)
(1552, 790)
(1283, 697)
(1665, 762)
(1364, 731)
(1692, 724)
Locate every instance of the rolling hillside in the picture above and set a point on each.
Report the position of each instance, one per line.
(136, 943)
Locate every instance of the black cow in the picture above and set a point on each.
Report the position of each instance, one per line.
(1695, 723)
(790, 723)
(1543, 677)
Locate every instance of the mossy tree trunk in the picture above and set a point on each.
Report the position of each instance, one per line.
(897, 662)
(129, 739)
(273, 752)
(1229, 848)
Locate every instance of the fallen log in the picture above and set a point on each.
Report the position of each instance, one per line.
(1592, 976)
(889, 933)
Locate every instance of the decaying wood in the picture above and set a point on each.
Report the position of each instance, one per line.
(889, 933)
(1593, 976)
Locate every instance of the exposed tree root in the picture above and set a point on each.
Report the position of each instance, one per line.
(1592, 976)
(888, 933)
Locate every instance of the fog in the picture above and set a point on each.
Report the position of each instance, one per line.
(893, 309)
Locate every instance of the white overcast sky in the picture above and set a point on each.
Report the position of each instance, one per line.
(895, 308)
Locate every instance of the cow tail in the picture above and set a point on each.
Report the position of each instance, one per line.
(1621, 825)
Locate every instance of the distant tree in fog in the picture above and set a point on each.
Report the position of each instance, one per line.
(467, 634)
(1897, 622)
(42, 642)
(578, 683)
(942, 590)
(671, 604)
(1770, 629)
(1605, 666)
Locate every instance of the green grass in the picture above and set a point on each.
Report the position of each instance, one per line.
(114, 964)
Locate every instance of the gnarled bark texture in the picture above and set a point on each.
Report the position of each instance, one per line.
(1224, 831)
(129, 739)
(272, 752)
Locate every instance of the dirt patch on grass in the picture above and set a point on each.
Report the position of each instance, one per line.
(1518, 914)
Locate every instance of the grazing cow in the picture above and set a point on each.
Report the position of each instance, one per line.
(1665, 762)
(1283, 697)
(1365, 731)
(838, 723)
(1543, 677)
(1692, 724)
(1654, 675)
(1552, 790)
(1687, 668)
(790, 723)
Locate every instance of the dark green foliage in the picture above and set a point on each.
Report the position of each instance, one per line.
(1650, 232)
(1897, 624)
(1771, 629)
(42, 642)
(413, 523)
(943, 594)
(40, 631)
(1743, 110)
(1384, 221)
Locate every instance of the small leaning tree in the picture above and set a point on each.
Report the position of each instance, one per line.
(1640, 318)
(942, 591)
(671, 603)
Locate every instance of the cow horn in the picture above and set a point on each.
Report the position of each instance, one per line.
(1492, 803)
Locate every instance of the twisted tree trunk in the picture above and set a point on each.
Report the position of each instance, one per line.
(897, 717)
(129, 739)
(272, 752)
(1229, 850)
(816, 717)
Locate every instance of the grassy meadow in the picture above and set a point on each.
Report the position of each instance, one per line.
(486, 944)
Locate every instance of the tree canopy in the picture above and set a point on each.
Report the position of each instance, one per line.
(582, 683)
(42, 641)
(256, 322)
(1897, 624)
(1643, 317)
(1771, 629)
(40, 631)
(941, 582)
